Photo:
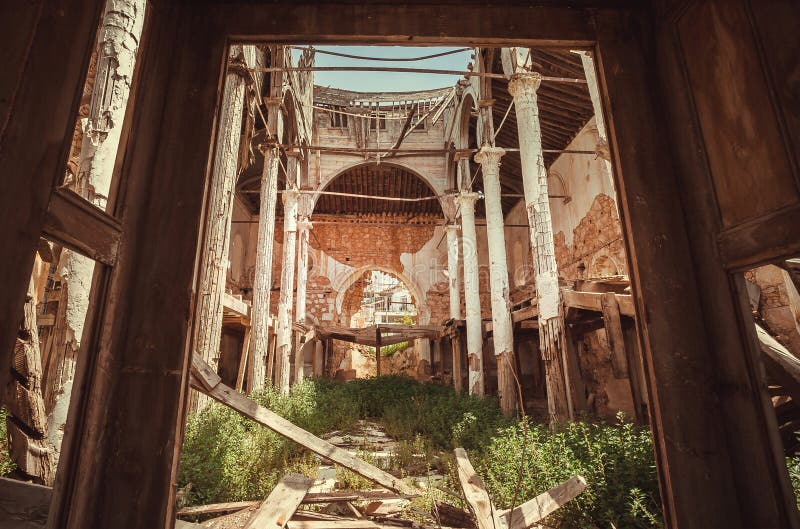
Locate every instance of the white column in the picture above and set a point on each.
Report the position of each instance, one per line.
(452, 271)
(284, 329)
(262, 282)
(534, 177)
(303, 228)
(502, 330)
(602, 134)
(466, 204)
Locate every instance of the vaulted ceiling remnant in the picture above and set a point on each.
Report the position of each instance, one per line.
(387, 180)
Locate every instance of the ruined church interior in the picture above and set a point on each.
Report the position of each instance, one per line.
(358, 265)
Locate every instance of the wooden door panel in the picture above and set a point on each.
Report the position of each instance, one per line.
(743, 139)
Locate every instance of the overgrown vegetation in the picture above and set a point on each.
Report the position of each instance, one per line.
(389, 350)
(6, 465)
(228, 458)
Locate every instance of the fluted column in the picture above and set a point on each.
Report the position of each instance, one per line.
(262, 282)
(466, 203)
(303, 227)
(552, 341)
(285, 305)
(502, 329)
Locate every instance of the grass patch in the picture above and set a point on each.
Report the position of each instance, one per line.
(229, 458)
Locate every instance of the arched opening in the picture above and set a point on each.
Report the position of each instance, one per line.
(376, 298)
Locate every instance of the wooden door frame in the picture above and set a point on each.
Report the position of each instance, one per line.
(126, 421)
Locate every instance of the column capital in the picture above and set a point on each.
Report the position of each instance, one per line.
(522, 84)
(270, 144)
(304, 224)
(489, 154)
(452, 227)
(467, 199)
(290, 194)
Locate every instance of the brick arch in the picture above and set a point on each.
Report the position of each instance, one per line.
(347, 282)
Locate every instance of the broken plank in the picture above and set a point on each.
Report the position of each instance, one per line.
(281, 503)
(543, 505)
(475, 493)
(217, 507)
(332, 497)
(332, 524)
(206, 381)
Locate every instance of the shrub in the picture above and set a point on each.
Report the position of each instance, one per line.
(616, 460)
(7, 466)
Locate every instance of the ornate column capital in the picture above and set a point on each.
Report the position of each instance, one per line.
(489, 155)
(304, 224)
(524, 84)
(466, 200)
(452, 228)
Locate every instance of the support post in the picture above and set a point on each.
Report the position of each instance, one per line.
(502, 327)
(217, 235)
(523, 88)
(466, 202)
(263, 366)
(455, 345)
(303, 228)
(284, 335)
(377, 351)
(452, 271)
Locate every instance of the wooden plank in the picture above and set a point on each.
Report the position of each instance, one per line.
(79, 225)
(23, 505)
(281, 503)
(217, 507)
(205, 380)
(235, 305)
(47, 41)
(332, 524)
(572, 367)
(616, 341)
(525, 313)
(591, 301)
(475, 493)
(533, 511)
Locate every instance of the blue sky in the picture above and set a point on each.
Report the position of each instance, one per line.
(388, 81)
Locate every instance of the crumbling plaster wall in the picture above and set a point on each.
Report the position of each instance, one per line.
(586, 226)
(778, 304)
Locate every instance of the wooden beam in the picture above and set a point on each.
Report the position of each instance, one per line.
(591, 301)
(635, 369)
(80, 225)
(217, 508)
(204, 379)
(616, 342)
(281, 503)
(533, 511)
(475, 493)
